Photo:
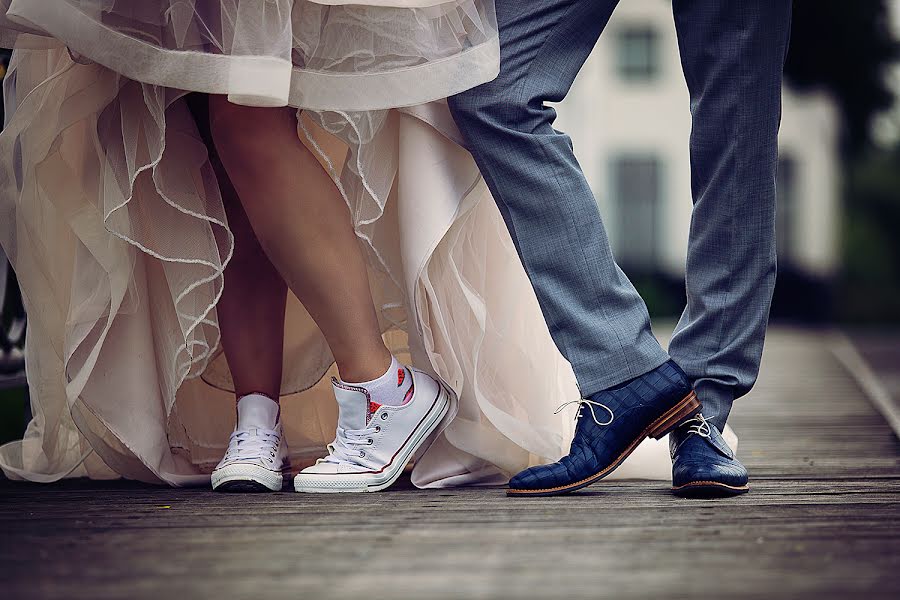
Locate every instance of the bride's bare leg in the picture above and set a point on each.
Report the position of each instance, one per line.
(251, 309)
(302, 222)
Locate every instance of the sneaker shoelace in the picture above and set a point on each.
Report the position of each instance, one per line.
(348, 445)
(590, 404)
(253, 444)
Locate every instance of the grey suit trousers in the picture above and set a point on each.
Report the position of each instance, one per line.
(732, 55)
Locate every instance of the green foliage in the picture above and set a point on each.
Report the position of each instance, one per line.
(844, 48)
(869, 286)
(664, 295)
(12, 415)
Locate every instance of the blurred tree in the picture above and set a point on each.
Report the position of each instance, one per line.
(869, 286)
(844, 48)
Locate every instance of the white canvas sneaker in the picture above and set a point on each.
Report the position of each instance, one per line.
(257, 456)
(374, 442)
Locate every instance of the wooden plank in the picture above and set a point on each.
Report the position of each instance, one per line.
(822, 521)
(873, 358)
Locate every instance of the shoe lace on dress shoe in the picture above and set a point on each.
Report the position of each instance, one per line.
(590, 404)
(699, 425)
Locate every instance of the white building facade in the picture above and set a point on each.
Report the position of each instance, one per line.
(629, 120)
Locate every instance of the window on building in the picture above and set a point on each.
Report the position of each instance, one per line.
(638, 53)
(785, 212)
(637, 194)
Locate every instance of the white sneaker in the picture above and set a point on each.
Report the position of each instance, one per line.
(374, 442)
(257, 456)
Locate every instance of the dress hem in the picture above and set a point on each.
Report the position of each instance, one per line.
(264, 81)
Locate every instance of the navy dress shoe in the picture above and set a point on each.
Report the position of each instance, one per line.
(615, 422)
(702, 463)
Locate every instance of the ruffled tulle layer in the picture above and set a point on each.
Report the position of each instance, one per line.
(112, 217)
(371, 54)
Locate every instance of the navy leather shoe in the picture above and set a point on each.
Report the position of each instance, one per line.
(610, 426)
(703, 465)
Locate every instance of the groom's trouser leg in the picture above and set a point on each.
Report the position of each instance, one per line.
(732, 54)
(597, 319)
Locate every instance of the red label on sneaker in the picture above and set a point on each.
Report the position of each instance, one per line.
(410, 392)
(401, 376)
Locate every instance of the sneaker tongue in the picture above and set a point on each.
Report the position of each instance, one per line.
(353, 405)
(256, 410)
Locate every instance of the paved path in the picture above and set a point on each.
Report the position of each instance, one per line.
(822, 521)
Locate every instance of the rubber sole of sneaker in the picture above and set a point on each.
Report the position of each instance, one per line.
(686, 408)
(709, 489)
(248, 478)
(349, 483)
(246, 486)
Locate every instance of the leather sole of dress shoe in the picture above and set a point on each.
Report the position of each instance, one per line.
(709, 489)
(686, 408)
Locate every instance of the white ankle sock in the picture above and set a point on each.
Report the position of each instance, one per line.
(256, 410)
(391, 389)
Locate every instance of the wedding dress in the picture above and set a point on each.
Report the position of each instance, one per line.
(111, 216)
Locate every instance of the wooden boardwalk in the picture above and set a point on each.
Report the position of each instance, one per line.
(822, 521)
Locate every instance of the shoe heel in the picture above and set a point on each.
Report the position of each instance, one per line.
(688, 407)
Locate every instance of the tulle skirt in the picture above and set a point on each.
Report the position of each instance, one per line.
(111, 215)
(322, 54)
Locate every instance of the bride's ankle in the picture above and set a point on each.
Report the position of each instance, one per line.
(365, 367)
(391, 386)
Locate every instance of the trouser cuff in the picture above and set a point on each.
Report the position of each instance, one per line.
(716, 400)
